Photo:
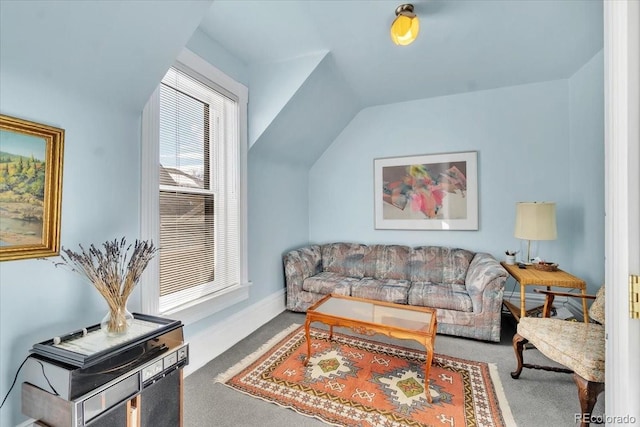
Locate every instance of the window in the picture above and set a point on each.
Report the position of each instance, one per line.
(193, 175)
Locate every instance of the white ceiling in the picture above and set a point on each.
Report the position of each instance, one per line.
(464, 45)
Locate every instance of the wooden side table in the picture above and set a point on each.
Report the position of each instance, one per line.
(530, 276)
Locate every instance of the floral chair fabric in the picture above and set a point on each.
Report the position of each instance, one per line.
(578, 346)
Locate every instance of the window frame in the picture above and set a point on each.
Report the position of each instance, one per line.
(207, 305)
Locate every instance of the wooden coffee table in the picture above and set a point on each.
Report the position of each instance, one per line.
(369, 317)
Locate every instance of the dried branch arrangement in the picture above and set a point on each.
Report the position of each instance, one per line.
(114, 270)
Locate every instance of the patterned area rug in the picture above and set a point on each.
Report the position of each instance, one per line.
(352, 381)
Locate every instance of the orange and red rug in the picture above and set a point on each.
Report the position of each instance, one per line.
(352, 381)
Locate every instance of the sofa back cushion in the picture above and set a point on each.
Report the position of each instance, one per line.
(387, 262)
(344, 258)
(437, 264)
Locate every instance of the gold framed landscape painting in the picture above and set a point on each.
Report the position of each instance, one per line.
(427, 192)
(30, 188)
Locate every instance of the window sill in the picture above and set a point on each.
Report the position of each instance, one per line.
(209, 305)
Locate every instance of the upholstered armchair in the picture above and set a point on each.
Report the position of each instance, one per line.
(578, 346)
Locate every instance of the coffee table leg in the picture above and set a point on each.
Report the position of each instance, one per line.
(307, 323)
(429, 349)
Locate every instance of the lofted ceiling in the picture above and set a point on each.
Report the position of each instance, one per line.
(114, 51)
(464, 45)
(118, 50)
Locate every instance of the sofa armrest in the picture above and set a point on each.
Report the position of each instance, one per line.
(298, 265)
(485, 282)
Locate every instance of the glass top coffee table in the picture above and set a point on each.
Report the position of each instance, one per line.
(368, 317)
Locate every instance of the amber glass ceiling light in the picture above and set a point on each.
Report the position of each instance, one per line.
(406, 26)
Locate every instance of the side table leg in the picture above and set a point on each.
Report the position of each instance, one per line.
(523, 308)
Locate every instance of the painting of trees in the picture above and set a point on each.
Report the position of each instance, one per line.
(30, 188)
(22, 175)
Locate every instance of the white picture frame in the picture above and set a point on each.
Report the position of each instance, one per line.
(427, 192)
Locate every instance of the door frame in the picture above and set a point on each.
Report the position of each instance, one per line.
(622, 200)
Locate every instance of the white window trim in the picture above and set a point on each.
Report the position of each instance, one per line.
(149, 199)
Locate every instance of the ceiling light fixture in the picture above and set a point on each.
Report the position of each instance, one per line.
(406, 26)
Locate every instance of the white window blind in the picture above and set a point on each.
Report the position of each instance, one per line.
(198, 184)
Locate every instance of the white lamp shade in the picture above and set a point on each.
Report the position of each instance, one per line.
(536, 221)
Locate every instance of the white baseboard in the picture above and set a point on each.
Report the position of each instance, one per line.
(206, 345)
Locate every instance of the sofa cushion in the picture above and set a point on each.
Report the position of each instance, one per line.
(344, 258)
(390, 290)
(438, 264)
(438, 295)
(387, 262)
(329, 283)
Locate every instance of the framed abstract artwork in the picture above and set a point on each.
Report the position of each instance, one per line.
(30, 189)
(427, 192)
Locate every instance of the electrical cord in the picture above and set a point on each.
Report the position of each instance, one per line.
(15, 378)
(513, 289)
(45, 377)
(14, 382)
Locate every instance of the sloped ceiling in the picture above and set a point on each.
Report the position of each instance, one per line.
(309, 122)
(464, 45)
(115, 51)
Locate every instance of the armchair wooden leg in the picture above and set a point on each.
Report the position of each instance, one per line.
(588, 392)
(518, 346)
(548, 304)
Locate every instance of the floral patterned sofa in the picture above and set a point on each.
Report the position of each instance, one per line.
(465, 287)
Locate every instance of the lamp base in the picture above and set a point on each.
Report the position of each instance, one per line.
(529, 252)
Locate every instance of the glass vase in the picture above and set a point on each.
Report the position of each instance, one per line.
(117, 321)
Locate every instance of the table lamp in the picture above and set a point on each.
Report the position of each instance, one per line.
(535, 221)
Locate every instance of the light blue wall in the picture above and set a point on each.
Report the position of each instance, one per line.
(99, 202)
(278, 218)
(586, 97)
(521, 135)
